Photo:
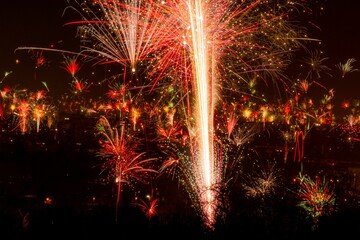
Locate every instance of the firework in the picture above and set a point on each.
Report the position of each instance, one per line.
(202, 45)
(203, 39)
(317, 198)
(349, 127)
(27, 108)
(316, 65)
(124, 30)
(71, 65)
(6, 74)
(262, 181)
(148, 206)
(119, 150)
(347, 67)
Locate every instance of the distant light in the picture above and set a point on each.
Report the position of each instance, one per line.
(48, 200)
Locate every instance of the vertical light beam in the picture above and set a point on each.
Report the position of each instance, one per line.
(204, 104)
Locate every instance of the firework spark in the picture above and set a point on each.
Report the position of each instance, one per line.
(347, 67)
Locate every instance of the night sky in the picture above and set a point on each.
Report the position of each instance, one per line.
(40, 23)
(35, 23)
(340, 35)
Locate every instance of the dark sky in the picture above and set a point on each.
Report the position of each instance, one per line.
(39, 23)
(340, 35)
(35, 23)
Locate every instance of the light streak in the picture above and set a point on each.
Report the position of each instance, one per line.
(205, 106)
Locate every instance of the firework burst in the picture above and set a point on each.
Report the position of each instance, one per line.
(317, 198)
(148, 206)
(347, 67)
(263, 180)
(122, 160)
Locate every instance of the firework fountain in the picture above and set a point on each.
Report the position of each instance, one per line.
(210, 49)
